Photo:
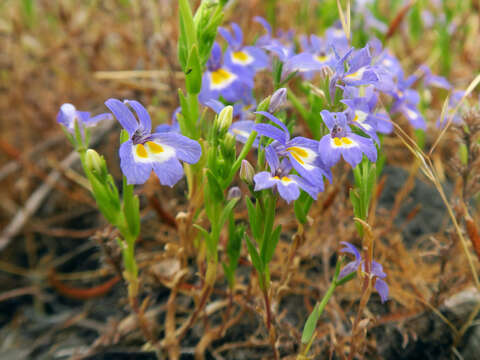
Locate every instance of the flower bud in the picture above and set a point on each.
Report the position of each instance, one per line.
(94, 162)
(224, 118)
(228, 147)
(234, 193)
(278, 99)
(247, 172)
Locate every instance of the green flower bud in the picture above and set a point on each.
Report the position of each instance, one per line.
(247, 172)
(224, 119)
(94, 162)
(228, 148)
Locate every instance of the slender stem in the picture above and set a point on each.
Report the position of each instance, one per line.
(243, 154)
(367, 291)
(269, 319)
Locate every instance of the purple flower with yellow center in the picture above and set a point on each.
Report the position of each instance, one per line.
(242, 126)
(146, 151)
(343, 142)
(250, 57)
(359, 68)
(317, 55)
(68, 115)
(302, 153)
(222, 79)
(358, 265)
(288, 185)
(361, 113)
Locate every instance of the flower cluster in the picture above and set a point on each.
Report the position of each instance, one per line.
(285, 154)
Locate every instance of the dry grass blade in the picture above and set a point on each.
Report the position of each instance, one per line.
(470, 88)
(394, 25)
(135, 74)
(429, 171)
(343, 20)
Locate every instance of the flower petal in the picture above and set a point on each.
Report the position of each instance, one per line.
(169, 172)
(123, 115)
(382, 289)
(288, 191)
(135, 172)
(186, 149)
(263, 180)
(142, 114)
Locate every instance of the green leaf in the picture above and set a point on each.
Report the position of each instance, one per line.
(131, 209)
(215, 189)
(211, 243)
(226, 211)
(310, 325)
(252, 217)
(269, 218)
(256, 260)
(268, 248)
(182, 45)
(193, 72)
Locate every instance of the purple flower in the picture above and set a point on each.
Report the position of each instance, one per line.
(359, 68)
(146, 151)
(226, 80)
(302, 153)
(68, 115)
(431, 79)
(250, 57)
(343, 142)
(317, 55)
(361, 113)
(406, 101)
(287, 185)
(359, 265)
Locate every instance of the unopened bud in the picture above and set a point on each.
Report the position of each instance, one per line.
(278, 99)
(228, 148)
(224, 119)
(247, 172)
(94, 162)
(234, 193)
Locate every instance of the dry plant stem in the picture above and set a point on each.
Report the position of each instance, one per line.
(367, 291)
(269, 319)
(142, 321)
(227, 312)
(203, 300)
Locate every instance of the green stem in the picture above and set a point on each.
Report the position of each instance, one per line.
(193, 111)
(243, 154)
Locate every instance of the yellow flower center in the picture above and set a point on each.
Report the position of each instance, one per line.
(342, 141)
(141, 151)
(286, 179)
(321, 58)
(240, 56)
(298, 153)
(220, 76)
(154, 147)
